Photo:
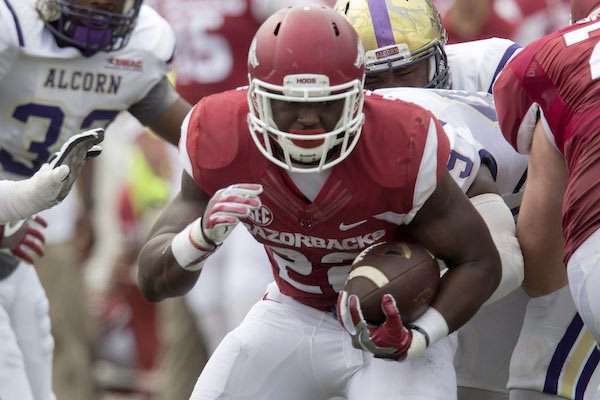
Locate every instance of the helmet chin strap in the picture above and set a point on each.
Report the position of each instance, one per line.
(307, 145)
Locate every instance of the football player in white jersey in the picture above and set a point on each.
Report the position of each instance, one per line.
(67, 66)
(405, 46)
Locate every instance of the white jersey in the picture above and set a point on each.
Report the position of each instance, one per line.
(474, 65)
(470, 121)
(50, 93)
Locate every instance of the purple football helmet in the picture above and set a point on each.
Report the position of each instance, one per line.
(90, 28)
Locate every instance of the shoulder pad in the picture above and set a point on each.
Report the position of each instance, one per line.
(153, 34)
(408, 133)
(217, 137)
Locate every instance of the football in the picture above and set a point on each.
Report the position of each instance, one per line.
(406, 270)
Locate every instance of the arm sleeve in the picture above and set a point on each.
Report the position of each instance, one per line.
(501, 224)
(11, 39)
(517, 111)
(157, 101)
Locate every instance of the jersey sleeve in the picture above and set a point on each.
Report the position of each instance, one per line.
(155, 39)
(431, 164)
(464, 160)
(11, 39)
(476, 64)
(210, 136)
(186, 144)
(517, 112)
(497, 53)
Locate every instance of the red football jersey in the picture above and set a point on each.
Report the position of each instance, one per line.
(367, 198)
(559, 74)
(213, 38)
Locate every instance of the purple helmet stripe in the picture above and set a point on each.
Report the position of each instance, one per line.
(381, 23)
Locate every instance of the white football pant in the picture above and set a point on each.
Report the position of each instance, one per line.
(286, 350)
(26, 343)
(584, 280)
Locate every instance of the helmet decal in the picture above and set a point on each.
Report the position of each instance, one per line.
(252, 58)
(399, 33)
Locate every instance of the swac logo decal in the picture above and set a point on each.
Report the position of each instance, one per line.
(262, 216)
(387, 52)
(124, 63)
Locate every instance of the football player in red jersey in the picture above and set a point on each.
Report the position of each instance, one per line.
(325, 179)
(547, 101)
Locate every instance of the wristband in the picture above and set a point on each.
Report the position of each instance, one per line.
(189, 254)
(431, 325)
(427, 329)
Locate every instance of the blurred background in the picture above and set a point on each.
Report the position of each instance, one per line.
(114, 344)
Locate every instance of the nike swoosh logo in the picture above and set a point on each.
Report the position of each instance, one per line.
(344, 227)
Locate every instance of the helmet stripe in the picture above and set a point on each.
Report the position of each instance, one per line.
(381, 23)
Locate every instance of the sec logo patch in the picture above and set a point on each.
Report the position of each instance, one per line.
(261, 216)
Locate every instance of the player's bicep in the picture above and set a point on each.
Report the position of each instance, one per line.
(450, 227)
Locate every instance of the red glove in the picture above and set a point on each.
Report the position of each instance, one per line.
(389, 340)
(24, 239)
(225, 208)
(223, 212)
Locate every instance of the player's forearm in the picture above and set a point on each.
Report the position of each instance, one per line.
(464, 289)
(159, 274)
(543, 245)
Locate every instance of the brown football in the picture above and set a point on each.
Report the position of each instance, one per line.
(406, 270)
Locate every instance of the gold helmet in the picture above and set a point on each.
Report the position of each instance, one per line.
(399, 33)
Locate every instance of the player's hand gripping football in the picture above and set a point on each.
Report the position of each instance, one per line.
(24, 239)
(223, 212)
(389, 340)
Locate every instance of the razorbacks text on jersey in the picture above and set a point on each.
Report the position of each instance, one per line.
(35, 72)
(311, 245)
(471, 123)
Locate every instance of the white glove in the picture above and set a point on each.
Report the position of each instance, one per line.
(224, 210)
(52, 182)
(199, 239)
(74, 153)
